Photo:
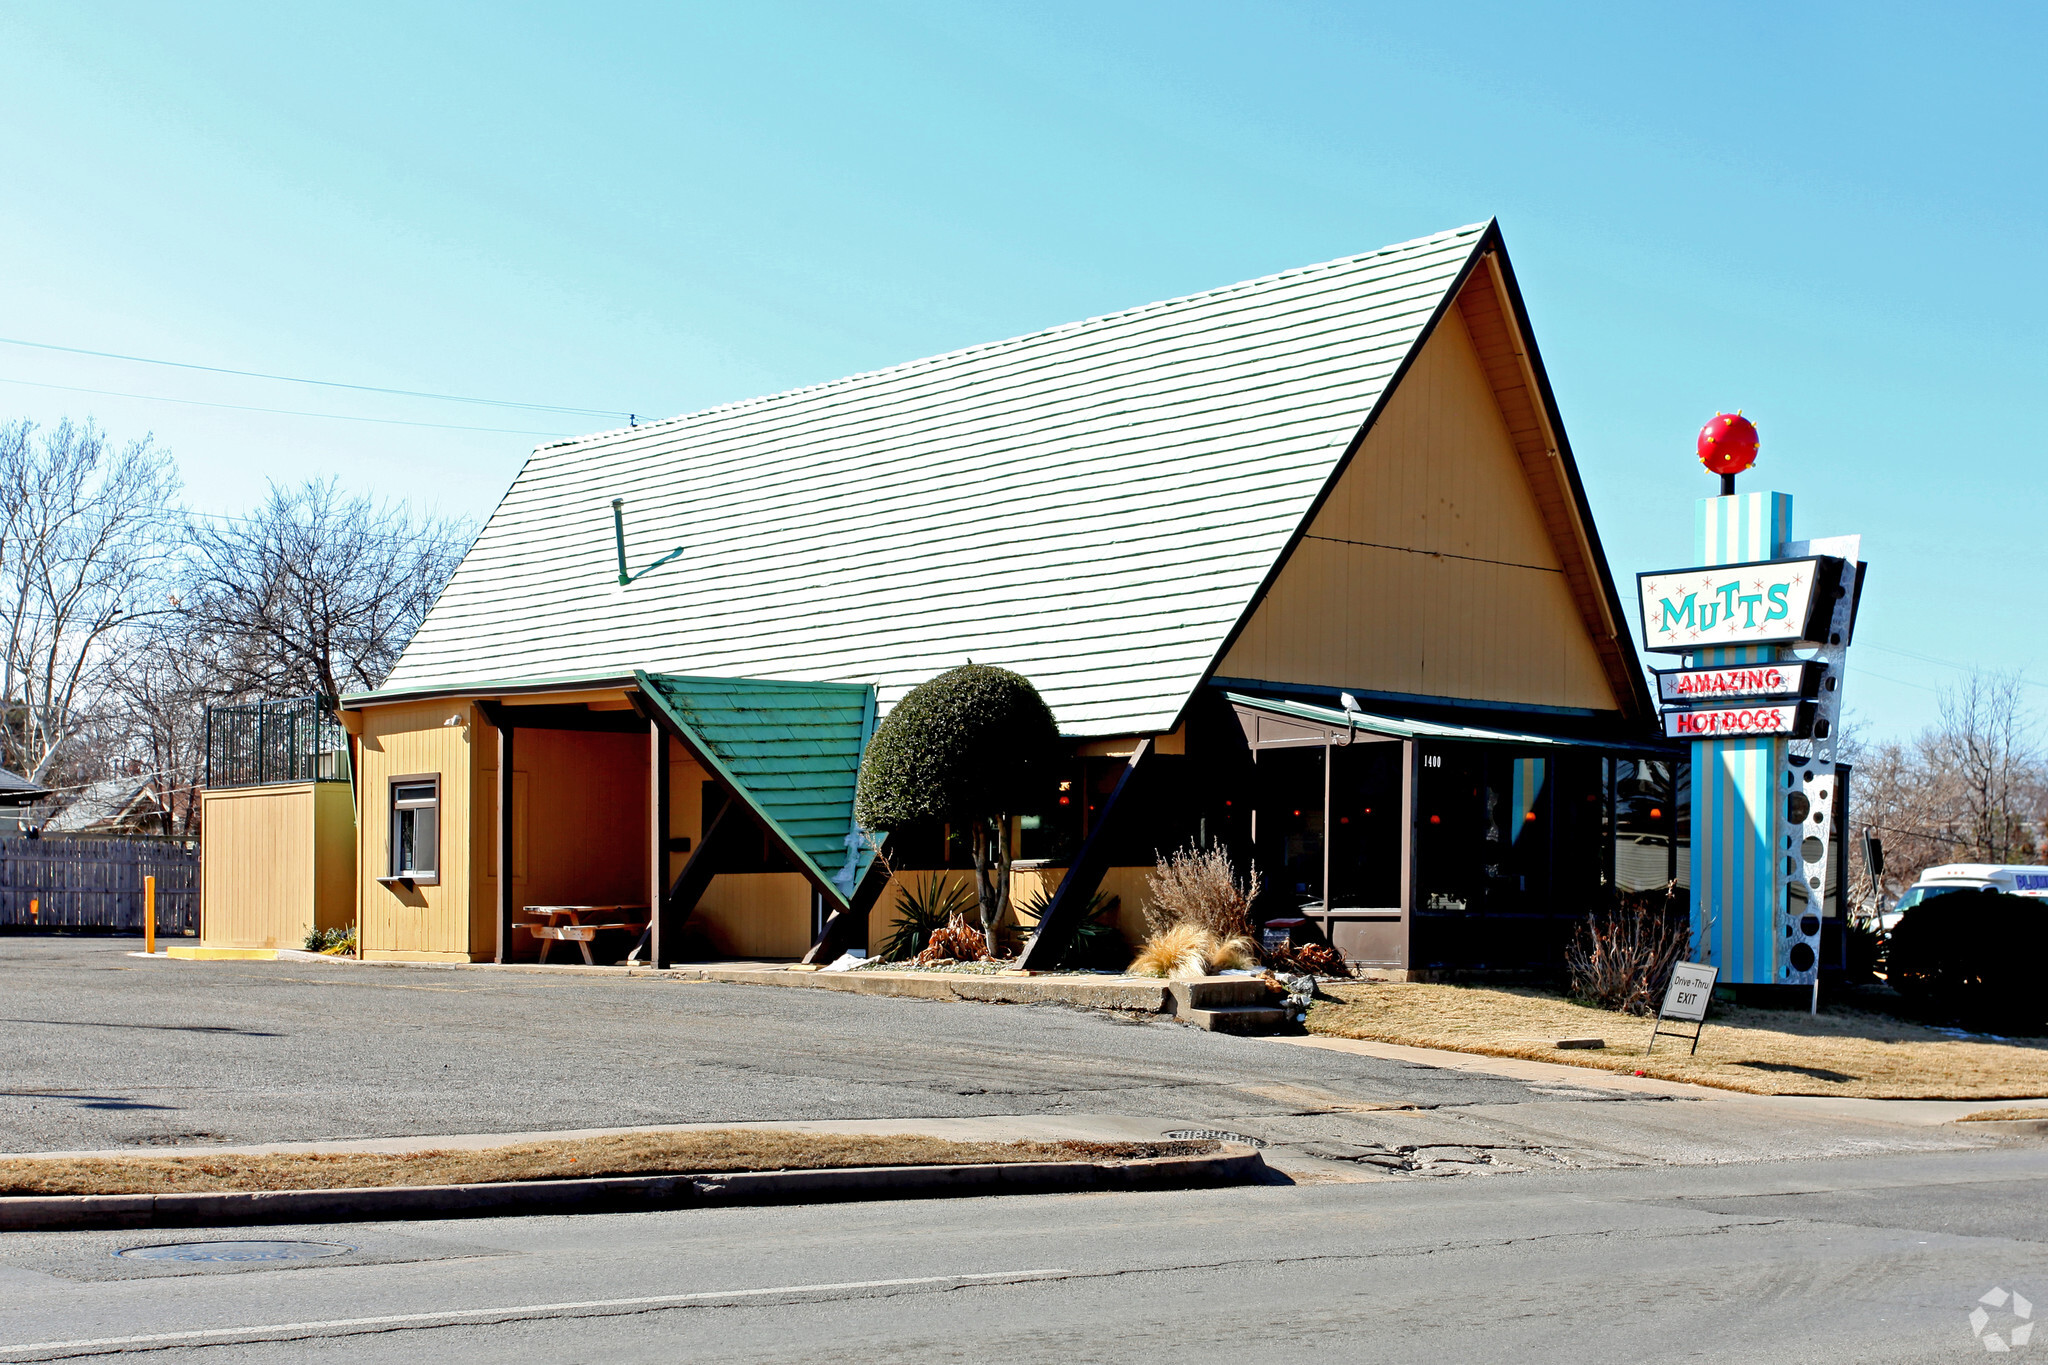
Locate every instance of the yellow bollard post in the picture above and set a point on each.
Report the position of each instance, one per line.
(34, 910)
(149, 914)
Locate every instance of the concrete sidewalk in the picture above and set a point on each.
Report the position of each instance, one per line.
(1916, 1113)
(994, 1128)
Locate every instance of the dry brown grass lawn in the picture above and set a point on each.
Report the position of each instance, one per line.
(1765, 1052)
(724, 1149)
(2002, 1115)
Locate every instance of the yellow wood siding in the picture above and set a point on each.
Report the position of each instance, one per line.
(579, 817)
(1430, 570)
(277, 862)
(424, 923)
(756, 914)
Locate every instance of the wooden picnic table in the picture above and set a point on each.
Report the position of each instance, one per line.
(578, 924)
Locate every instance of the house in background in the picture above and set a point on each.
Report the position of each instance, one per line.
(18, 797)
(1197, 526)
(126, 803)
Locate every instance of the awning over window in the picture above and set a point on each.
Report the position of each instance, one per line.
(1397, 727)
(790, 750)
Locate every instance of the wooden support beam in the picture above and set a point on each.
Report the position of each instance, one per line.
(1062, 919)
(848, 928)
(1411, 816)
(501, 720)
(657, 833)
(672, 910)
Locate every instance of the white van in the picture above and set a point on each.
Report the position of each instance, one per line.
(1939, 881)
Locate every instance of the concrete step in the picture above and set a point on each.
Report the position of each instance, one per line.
(1236, 1018)
(1215, 992)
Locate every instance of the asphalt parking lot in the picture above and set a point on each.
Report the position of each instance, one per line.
(112, 1050)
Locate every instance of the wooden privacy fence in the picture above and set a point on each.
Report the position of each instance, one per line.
(96, 884)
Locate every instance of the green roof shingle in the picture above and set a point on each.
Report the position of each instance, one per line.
(790, 749)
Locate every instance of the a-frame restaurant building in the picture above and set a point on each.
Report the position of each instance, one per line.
(1194, 525)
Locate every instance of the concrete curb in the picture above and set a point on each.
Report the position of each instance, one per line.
(1234, 1165)
(1115, 993)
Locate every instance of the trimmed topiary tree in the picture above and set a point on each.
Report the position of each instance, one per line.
(972, 747)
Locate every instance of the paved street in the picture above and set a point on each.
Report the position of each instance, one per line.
(1876, 1260)
(1426, 1212)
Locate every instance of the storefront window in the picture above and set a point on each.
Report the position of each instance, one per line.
(1646, 806)
(1291, 826)
(1365, 826)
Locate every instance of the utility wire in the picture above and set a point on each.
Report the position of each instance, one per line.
(1941, 663)
(323, 383)
(284, 412)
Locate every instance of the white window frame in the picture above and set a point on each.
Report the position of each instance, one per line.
(413, 876)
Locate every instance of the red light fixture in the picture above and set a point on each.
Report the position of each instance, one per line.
(1656, 814)
(1436, 819)
(1727, 446)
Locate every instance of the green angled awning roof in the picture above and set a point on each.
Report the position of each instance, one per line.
(791, 750)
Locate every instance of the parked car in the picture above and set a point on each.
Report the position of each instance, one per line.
(2031, 881)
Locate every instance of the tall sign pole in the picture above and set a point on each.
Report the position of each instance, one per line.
(1762, 622)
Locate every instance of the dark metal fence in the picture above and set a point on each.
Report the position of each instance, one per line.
(96, 884)
(255, 743)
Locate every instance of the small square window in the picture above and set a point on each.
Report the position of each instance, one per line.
(415, 854)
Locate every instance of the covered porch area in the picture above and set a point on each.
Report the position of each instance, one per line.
(670, 818)
(1424, 845)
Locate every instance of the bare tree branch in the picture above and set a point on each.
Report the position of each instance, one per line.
(314, 592)
(79, 538)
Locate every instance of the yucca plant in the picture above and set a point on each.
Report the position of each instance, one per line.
(1097, 943)
(923, 907)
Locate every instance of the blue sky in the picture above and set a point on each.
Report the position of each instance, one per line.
(1829, 217)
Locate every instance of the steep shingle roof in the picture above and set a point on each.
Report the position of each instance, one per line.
(1093, 506)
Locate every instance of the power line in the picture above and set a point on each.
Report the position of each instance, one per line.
(284, 412)
(1941, 663)
(323, 383)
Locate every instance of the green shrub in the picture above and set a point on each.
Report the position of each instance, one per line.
(971, 748)
(332, 942)
(974, 742)
(1973, 957)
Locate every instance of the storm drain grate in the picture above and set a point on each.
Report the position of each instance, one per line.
(1212, 1135)
(216, 1252)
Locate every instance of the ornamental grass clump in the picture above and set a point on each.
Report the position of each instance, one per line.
(1184, 950)
(1199, 915)
(1199, 886)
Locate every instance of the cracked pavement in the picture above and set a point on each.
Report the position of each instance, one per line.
(115, 1051)
(1422, 1211)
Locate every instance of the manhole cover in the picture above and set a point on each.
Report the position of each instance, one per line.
(235, 1251)
(1212, 1135)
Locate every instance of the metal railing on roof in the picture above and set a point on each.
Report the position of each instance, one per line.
(251, 744)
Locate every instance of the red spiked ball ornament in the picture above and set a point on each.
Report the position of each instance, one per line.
(1728, 444)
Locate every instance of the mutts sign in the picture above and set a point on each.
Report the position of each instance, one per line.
(1770, 602)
